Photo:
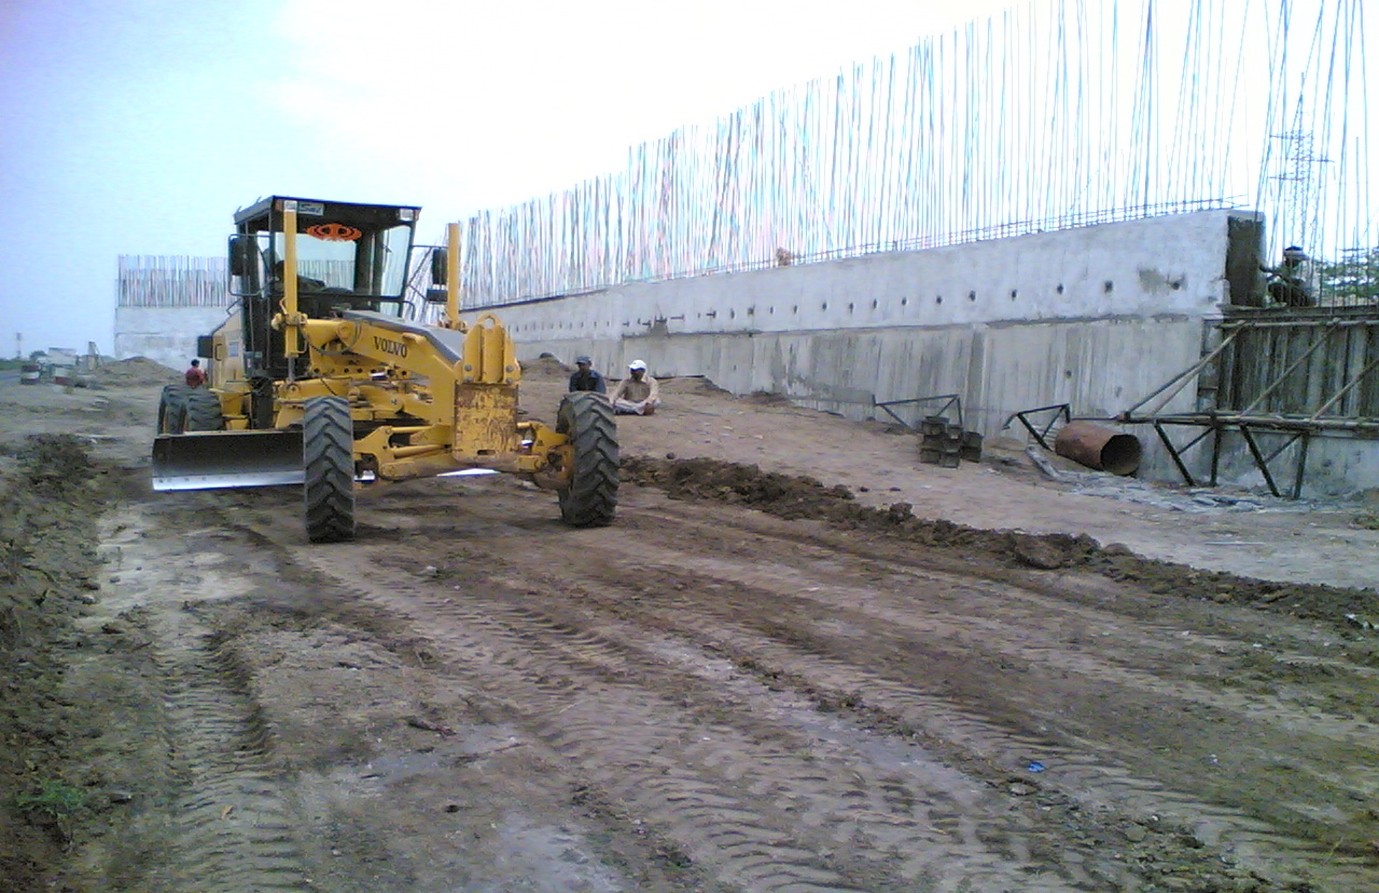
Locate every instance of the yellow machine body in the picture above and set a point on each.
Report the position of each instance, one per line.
(426, 399)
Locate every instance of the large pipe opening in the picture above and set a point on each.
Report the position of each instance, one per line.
(1099, 448)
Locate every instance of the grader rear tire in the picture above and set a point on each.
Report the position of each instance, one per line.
(203, 411)
(172, 409)
(328, 455)
(592, 497)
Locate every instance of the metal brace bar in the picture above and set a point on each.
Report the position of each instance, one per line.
(1345, 390)
(1194, 441)
(1179, 381)
(1217, 432)
(1283, 376)
(887, 410)
(1173, 452)
(1259, 459)
(1286, 444)
(1063, 410)
(1302, 462)
(950, 399)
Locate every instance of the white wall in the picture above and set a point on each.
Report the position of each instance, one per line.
(164, 334)
(1097, 317)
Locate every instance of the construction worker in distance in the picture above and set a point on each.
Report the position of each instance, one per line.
(638, 393)
(586, 378)
(195, 377)
(1290, 283)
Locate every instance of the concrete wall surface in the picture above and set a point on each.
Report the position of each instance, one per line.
(1157, 266)
(165, 335)
(1097, 317)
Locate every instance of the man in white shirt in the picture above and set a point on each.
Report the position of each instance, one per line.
(638, 393)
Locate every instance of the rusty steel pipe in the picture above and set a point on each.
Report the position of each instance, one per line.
(1099, 448)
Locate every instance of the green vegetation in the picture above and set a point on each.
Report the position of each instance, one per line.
(1354, 276)
(56, 801)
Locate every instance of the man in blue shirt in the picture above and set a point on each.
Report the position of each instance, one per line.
(585, 378)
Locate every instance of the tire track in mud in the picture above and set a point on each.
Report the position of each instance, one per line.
(904, 593)
(234, 830)
(960, 616)
(493, 526)
(1081, 771)
(757, 812)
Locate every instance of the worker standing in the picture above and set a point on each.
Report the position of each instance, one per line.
(195, 377)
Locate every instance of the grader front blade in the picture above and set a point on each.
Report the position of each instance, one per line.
(210, 460)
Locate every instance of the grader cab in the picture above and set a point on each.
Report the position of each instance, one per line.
(323, 376)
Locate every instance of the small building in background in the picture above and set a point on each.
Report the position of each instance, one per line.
(164, 303)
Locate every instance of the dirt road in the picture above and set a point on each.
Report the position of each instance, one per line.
(751, 682)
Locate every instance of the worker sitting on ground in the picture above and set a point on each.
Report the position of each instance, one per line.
(586, 378)
(638, 393)
(1290, 283)
(195, 377)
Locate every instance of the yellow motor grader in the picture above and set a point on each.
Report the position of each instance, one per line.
(322, 376)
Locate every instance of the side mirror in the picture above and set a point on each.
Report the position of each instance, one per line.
(242, 255)
(439, 267)
(437, 295)
(205, 346)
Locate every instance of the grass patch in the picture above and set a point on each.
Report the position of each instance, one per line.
(57, 804)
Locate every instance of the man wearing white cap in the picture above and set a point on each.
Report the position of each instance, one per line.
(638, 393)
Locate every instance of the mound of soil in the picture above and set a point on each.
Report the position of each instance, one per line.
(802, 497)
(48, 565)
(133, 372)
(693, 385)
(545, 365)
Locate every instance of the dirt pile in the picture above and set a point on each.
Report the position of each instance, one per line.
(691, 385)
(48, 565)
(795, 497)
(134, 371)
(545, 365)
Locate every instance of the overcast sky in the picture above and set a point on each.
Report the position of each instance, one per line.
(139, 126)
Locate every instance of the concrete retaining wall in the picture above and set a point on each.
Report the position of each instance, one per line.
(1096, 316)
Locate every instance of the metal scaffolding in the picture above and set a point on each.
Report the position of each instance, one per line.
(1296, 374)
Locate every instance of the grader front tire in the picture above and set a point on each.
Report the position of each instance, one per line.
(203, 412)
(328, 454)
(592, 497)
(172, 409)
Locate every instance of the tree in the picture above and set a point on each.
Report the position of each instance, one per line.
(1354, 278)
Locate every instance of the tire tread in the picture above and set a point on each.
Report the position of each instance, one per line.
(328, 456)
(587, 419)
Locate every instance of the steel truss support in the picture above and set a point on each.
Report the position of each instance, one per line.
(1061, 411)
(1216, 430)
(948, 400)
